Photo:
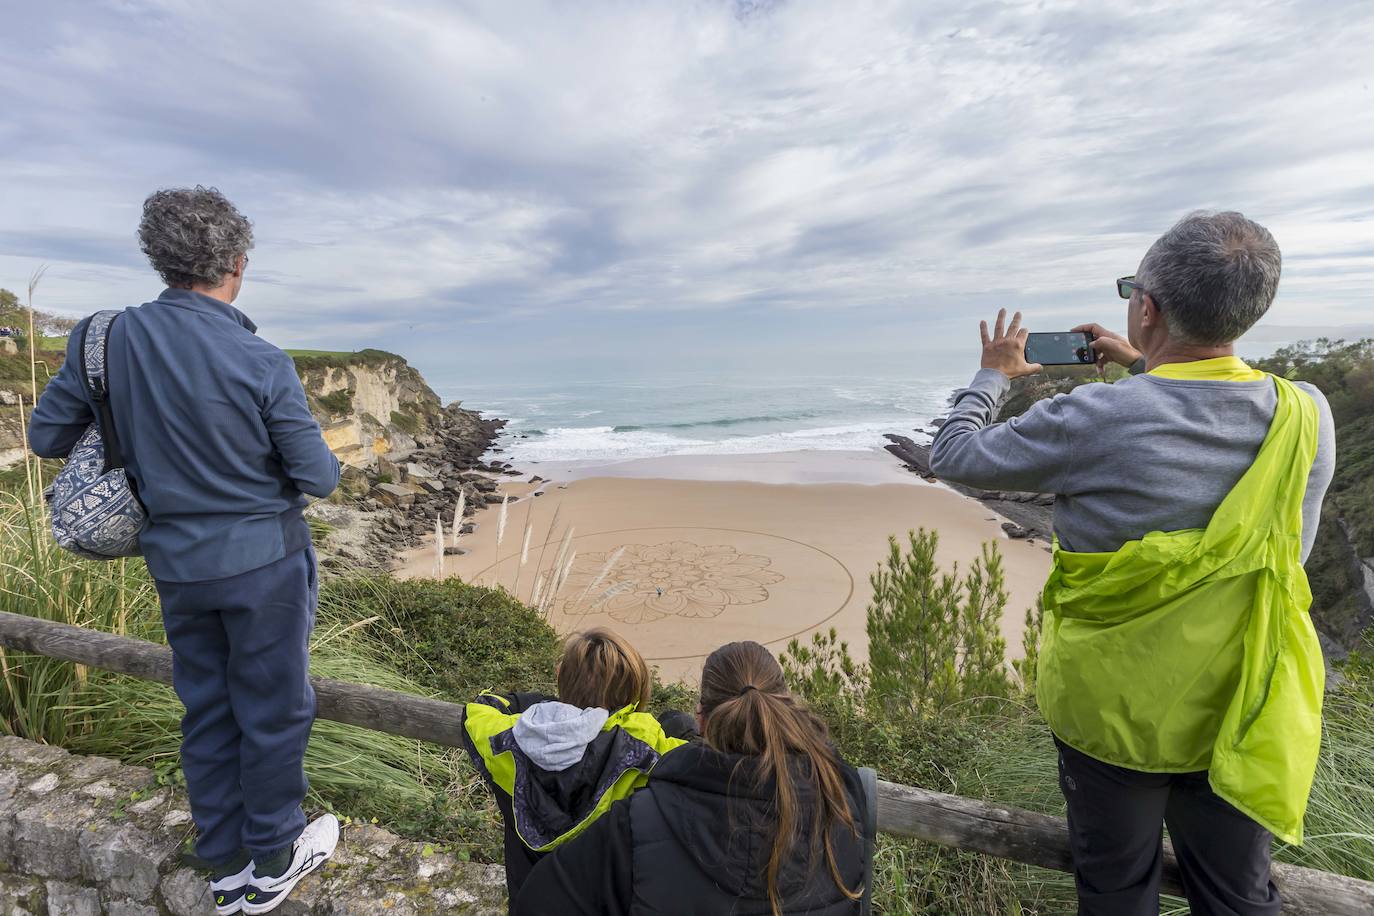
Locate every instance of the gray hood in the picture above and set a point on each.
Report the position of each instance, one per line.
(555, 735)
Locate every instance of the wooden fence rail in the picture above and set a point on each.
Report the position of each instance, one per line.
(949, 820)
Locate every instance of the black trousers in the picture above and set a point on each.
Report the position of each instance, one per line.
(1116, 828)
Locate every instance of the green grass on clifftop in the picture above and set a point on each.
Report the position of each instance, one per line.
(331, 354)
(337, 359)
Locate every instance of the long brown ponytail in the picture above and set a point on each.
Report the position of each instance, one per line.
(748, 710)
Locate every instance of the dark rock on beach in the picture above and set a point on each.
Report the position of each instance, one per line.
(1030, 515)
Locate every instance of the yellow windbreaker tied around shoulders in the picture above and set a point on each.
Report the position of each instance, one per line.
(1193, 650)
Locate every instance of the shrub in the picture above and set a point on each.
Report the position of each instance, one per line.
(307, 360)
(824, 671)
(336, 402)
(406, 422)
(454, 638)
(934, 639)
(1030, 647)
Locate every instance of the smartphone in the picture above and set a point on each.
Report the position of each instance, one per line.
(1060, 349)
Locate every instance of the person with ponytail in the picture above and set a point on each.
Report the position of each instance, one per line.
(760, 818)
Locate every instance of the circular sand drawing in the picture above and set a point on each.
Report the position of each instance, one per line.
(639, 583)
(680, 592)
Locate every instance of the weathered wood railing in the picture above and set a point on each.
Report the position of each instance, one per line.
(949, 820)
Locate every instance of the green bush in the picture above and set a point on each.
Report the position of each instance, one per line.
(453, 638)
(307, 360)
(934, 639)
(405, 421)
(337, 402)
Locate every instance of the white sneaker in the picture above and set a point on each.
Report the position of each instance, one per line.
(311, 850)
(228, 891)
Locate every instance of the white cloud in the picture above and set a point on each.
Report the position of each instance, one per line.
(436, 166)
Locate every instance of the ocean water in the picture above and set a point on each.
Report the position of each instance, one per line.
(607, 420)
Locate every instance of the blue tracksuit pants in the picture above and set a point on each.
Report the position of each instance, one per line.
(240, 660)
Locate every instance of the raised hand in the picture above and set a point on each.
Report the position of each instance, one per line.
(1005, 348)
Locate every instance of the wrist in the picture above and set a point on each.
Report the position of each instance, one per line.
(994, 373)
(1129, 359)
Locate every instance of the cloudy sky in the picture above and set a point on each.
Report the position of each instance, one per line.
(505, 187)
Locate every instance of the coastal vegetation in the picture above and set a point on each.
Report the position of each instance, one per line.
(1341, 602)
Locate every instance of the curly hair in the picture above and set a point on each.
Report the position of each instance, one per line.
(193, 235)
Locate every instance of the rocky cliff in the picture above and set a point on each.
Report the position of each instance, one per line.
(407, 457)
(370, 404)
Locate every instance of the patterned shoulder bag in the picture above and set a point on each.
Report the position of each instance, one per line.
(95, 509)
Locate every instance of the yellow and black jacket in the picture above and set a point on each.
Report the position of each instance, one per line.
(555, 768)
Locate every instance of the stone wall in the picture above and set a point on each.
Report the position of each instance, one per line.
(84, 836)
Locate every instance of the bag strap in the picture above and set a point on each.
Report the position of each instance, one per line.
(869, 777)
(95, 346)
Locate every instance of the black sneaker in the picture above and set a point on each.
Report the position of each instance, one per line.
(311, 850)
(228, 891)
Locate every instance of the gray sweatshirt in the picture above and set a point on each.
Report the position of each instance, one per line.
(1143, 454)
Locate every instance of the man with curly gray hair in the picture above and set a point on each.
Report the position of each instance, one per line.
(221, 449)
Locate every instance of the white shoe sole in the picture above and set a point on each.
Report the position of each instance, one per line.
(312, 850)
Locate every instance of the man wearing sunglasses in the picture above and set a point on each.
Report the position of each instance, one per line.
(1179, 670)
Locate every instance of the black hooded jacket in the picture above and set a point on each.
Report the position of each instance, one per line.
(696, 842)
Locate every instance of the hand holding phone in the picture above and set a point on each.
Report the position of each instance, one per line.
(1110, 347)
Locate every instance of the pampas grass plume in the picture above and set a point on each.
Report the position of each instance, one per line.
(501, 521)
(458, 515)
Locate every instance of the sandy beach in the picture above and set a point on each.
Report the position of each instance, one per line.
(765, 547)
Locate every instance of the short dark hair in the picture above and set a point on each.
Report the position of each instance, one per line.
(193, 235)
(1213, 275)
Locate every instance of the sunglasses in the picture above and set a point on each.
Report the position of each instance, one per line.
(1126, 285)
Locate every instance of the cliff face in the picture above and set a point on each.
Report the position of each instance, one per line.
(407, 459)
(370, 405)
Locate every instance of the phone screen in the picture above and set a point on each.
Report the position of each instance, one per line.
(1060, 349)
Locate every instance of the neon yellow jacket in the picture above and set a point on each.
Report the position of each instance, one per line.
(1193, 650)
(549, 808)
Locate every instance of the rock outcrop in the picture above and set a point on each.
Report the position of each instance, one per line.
(84, 836)
(1031, 515)
(370, 404)
(406, 457)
